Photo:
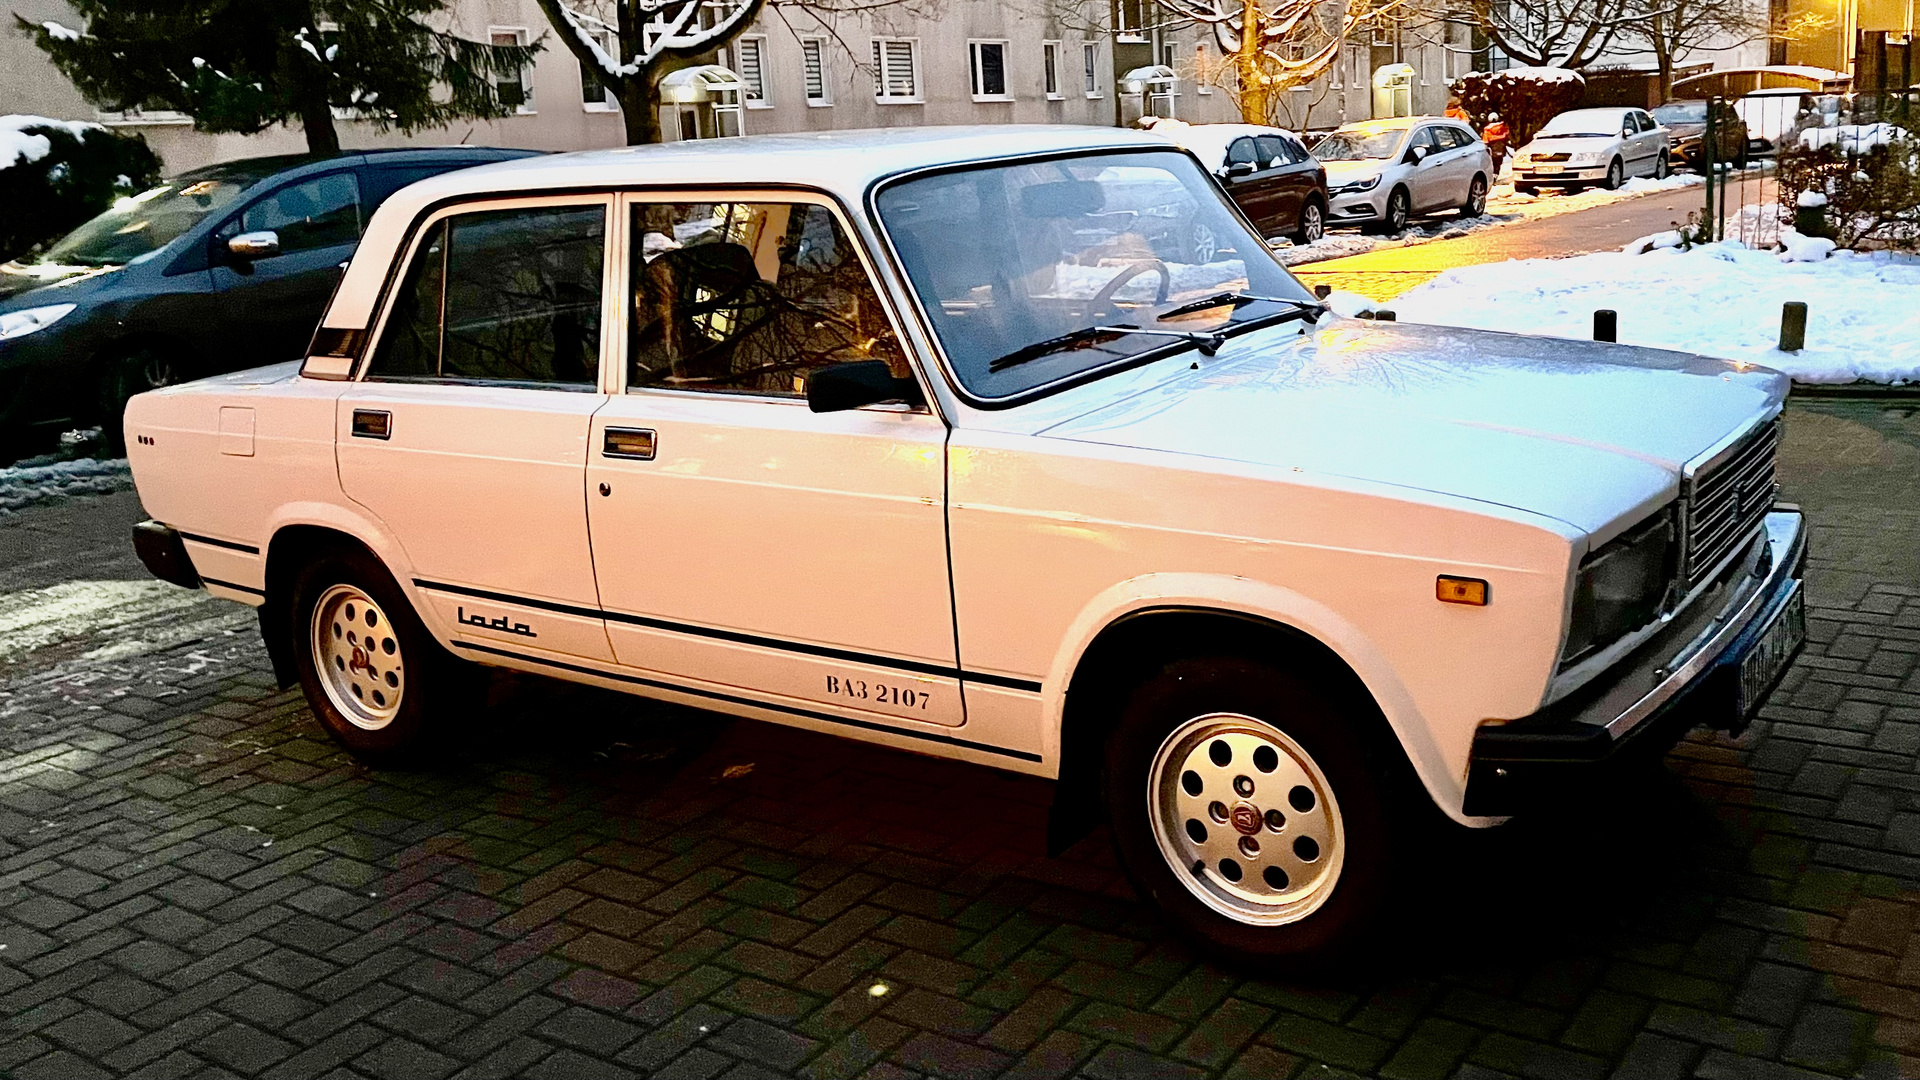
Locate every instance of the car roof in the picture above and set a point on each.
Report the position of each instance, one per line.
(1610, 110)
(253, 170)
(1209, 142)
(1392, 123)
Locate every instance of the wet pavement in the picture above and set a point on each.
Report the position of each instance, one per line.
(194, 882)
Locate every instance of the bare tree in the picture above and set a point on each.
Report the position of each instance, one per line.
(1271, 46)
(1557, 33)
(1672, 29)
(630, 45)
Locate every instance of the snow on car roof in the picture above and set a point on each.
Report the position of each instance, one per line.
(1209, 142)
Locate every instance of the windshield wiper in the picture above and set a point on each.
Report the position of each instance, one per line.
(1310, 312)
(1208, 344)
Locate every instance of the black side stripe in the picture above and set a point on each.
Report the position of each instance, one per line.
(231, 585)
(715, 696)
(211, 542)
(1027, 685)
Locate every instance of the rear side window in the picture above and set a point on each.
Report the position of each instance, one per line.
(501, 296)
(1274, 151)
(318, 213)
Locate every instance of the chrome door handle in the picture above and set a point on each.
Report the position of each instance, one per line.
(372, 424)
(634, 443)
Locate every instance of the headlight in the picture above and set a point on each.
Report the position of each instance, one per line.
(15, 324)
(1621, 587)
(1585, 159)
(1368, 184)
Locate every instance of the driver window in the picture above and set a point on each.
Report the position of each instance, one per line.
(318, 213)
(1243, 152)
(1423, 137)
(748, 298)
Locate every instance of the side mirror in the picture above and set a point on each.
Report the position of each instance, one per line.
(839, 387)
(254, 245)
(1237, 169)
(1418, 154)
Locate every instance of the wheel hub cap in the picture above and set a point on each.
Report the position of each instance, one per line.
(357, 656)
(1246, 819)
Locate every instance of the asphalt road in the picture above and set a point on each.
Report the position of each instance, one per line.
(194, 881)
(1388, 272)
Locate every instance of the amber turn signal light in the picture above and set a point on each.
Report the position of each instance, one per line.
(1460, 590)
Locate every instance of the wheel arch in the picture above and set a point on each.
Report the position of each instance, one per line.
(292, 540)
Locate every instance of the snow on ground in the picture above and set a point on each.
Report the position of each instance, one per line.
(1718, 300)
(1504, 207)
(37, 481)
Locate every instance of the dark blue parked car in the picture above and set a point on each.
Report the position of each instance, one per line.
(218, 269)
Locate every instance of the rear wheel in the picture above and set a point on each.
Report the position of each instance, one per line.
(1476, 203)
(1245, 802)
(376, 679)
(120, 378)
(1313, 222)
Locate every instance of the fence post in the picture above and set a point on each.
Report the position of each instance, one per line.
(1606, 325)
(1706, 163)
(1793, 326)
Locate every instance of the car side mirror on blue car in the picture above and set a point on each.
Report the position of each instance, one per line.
(254, 245)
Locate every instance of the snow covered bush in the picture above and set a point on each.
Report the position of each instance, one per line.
(55, 174)
(1867, 175)
(1525, 97)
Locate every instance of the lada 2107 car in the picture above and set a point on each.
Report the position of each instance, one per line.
(907, 436)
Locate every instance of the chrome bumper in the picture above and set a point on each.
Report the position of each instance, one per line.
(1690, 674)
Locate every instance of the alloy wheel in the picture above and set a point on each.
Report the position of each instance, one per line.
(356, 652)
(1313, 223)
(1477, 197)
(1246, 818)
(1202, 244)
(1398, 210)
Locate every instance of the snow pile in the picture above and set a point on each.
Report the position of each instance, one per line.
(18, 147)
(1718, 300)
(1669, 239)
(1540, 74)
(1810, 199)
(30, 484)
(1804, 248)
(1853, 139)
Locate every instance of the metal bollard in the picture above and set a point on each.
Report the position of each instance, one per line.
(1793, 326)
(1606, 325)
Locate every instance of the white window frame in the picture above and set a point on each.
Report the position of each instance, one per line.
(880, 94)
(1383, 36)
(1050, 70)
(609, 44)
(976, 72)
(1122, 31)
(819, 45)
(757, 44)
(521, 35)
(1090, 68)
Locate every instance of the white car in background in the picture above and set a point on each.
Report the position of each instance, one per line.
(1585, 147)
(1382, 172)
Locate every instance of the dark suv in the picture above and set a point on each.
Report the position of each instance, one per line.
(218, 269)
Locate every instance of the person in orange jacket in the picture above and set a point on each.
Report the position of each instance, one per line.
(1495, 135)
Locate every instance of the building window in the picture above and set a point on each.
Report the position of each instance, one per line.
(1090, 68)
(1130, 20)
(813, 68)
(1383, 36)
(595, 94)
(750, 63)
(1050, 63)
(513, 88)
(896, 71)
(987, 68)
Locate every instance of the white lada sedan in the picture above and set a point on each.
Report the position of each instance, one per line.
(937, 439)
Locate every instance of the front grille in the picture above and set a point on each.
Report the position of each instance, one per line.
(1551, 157)
(1726, 501)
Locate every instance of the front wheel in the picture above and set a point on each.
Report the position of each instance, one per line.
(120, 378)
(1313, 223)
(1399, 210)
(375, 678)
(1476, 203)
(1660, 168)
(1248, 806)
(1202, 244)
(1616, 175)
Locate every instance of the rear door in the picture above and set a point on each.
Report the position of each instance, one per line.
(269, 306)
(467, 433)
(1286, 180)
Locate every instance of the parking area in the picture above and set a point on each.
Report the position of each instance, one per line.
(194, 881)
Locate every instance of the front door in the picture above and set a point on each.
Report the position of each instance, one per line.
(273, 303)
(467, 434)
(747, 547)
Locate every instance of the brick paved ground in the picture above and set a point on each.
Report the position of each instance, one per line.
(194, 882)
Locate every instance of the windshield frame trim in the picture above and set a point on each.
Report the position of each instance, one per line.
(1066, 382)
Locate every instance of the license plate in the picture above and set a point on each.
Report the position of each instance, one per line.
(1760, 669)
(1546, 170)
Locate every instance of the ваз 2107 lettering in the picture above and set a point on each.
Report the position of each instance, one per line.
(940, 439)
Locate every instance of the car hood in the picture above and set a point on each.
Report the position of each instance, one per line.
(1685, 131)
(1570, 146)
(1591, 435)
(1346, 172)
(30, 285)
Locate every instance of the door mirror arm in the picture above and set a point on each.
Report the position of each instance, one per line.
(839, 387)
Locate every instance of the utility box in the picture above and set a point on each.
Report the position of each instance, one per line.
(1393, 91)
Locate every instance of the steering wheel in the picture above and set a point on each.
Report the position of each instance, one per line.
(1102, 304)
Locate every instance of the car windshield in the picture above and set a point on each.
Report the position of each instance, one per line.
(142, 224)
(1359, 145)
(1018, 264)
(1582, 126)
(1682, 112)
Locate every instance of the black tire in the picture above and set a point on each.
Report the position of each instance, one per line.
(1399, 211)
(1525, 189)
(1476, 203)
(120, 377)
(1616, 175)
(429, 686)
(1661, 169)
(1313, 222)
(1339, 909)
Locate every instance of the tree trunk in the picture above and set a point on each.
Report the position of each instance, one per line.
(1254, 95)
(316, 119)
(639, 109)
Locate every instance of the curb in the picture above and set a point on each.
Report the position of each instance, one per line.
(1860, 389)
